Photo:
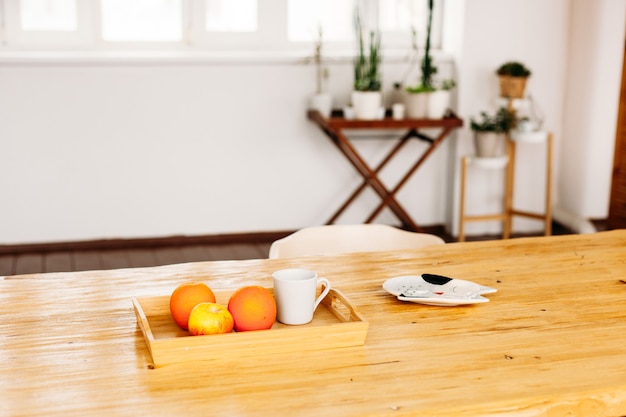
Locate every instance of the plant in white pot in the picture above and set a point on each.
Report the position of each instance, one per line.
(322, 100)
(366, 96)
(490, 132)
(417, 97)
(417, 101)
(439, 100)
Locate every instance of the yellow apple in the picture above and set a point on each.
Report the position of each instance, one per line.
(210, 318)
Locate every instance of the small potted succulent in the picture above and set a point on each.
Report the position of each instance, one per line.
(366, 95)
(513, 76)
(490, 132)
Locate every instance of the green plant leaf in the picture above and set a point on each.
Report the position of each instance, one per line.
(367, 66)
(501, 122)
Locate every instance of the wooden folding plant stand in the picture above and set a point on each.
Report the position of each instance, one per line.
(334, 128)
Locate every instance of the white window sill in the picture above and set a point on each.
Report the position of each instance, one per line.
(139, 57)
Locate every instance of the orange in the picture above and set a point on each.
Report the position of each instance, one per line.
(185, 297)
(253, 308)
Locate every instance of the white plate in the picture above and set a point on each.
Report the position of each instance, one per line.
(437, 290)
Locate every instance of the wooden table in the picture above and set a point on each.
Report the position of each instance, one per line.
(551, 342)
(335, 126)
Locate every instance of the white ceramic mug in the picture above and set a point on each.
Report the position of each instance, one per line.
(294, 291)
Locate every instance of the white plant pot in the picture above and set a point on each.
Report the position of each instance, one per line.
(416, 105)
(366, 104)
(438, 103)
(323, 103)
(489, 144)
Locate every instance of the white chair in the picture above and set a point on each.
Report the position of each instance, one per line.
(332, 239)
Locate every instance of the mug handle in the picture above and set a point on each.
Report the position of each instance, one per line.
(326, 284)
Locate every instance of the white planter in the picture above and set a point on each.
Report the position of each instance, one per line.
(416, 105)
(438, 104)
(398, 110)
(366, 104)
(323, 103)
(489, 144)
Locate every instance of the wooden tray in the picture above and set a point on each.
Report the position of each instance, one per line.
(336, 323)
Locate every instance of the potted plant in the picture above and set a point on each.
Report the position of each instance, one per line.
(417, 97)
(417, 101)
(439, 100)
(490, 132)
(366, 96)
(322, 100)
(513, 76)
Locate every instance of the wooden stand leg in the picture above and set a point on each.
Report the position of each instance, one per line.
(510, 211)
(548, 218)
(509, 182)
(462, 202)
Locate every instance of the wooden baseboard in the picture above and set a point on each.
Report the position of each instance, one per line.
(179, 240)
(183, 240)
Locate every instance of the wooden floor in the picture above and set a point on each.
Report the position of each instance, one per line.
(81, 260)
(37, 261)
(66, 257)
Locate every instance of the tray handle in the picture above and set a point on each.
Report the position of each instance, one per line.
(145, 324)
(341, 308)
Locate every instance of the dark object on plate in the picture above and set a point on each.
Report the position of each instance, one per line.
(436, 279)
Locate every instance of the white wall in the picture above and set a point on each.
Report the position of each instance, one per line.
(594, 70)
(574, 49)
(533, 32)
(99, 150)
(131, 148)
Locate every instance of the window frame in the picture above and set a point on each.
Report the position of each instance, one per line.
(270, 39)
(267, 36)
(16, 38)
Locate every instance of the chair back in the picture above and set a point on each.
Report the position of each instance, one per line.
(333, 239)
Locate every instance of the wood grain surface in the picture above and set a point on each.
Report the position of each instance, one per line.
(549, 343)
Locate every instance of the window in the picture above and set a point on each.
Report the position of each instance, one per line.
(46, 23)
(402, 15)
(396, 19)
(306, 18)
(399, 18)
(141, 20)
(48, 15)
(231, 15)
(216, 25)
